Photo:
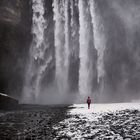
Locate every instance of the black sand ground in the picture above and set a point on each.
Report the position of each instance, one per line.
(31, 122)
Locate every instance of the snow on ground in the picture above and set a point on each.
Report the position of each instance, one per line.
(101, 121)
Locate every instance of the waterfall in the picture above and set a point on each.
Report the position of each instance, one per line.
(61, 18)
(76, 35)
(69, 55)
(99, 39)
(38, 61)
(66, 35)
(74, 47)
(86, 45)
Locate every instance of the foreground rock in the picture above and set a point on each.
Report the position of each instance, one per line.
(56, 123)
(31, 122)
(116, 125)
(15, 38)
(7, 102)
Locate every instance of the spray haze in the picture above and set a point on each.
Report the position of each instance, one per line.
(84, 48)
(128, 11)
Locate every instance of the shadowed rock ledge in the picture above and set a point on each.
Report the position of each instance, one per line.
(7, 102)
(15, 39)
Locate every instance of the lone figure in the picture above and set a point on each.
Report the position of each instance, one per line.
(88, 102)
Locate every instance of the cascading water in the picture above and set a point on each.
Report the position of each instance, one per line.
(86, 46)
(70, 53)
(99, 42)
(99, 39)
(67, 35)
(76, 35)
(74, 47)
(38, 61)
(61, 19)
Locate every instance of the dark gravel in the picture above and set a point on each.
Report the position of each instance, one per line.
(53, 122)
(31, 122)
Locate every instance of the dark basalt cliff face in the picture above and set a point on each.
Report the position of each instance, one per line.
(15, 38)
(7, 102)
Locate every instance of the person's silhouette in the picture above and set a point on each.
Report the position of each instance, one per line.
(88, 102)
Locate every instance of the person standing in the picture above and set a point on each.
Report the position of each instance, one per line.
(88, 102)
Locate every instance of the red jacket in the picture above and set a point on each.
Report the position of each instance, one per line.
(88, 100)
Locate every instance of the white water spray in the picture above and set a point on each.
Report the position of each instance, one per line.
(73, 40)
(85, 87)
(99, 39)
(38, 62)
(61, 19)
(66, 35)
(74, 48)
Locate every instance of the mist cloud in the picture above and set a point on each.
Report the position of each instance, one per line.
(128, 11)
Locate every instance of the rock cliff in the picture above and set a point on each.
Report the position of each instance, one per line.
(15, 38)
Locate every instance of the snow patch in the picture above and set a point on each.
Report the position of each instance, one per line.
(3, 94)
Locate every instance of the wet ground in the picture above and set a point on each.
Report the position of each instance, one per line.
(101, 122)
(122, 125)
(31, 122)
